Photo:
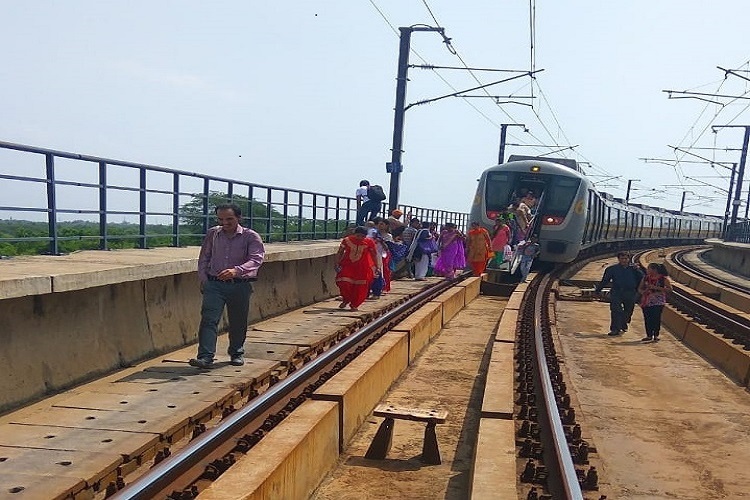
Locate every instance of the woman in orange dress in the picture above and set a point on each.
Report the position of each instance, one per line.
(355, 268)
(478, 248)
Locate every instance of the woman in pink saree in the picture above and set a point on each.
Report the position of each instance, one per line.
(452, 257)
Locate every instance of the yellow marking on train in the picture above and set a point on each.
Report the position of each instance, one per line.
(579, 207)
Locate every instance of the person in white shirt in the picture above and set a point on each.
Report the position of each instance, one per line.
(367, 209)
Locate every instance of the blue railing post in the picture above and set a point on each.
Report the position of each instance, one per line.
(142, 209)
(285, 236)
(250, 207)
(204, 212)
(176, 210)
(51, 204)
(103, 243)
(300, 214)
(325, 217)
(338, 215)
(269, 200)
(315, 217)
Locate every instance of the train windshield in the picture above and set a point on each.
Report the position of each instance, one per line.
(560, 195)
(555, 192)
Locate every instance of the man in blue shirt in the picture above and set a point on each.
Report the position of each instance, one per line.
(625, 279)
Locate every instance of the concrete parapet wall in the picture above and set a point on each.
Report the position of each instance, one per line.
(289, 463)
(359, 386)
(65, 320)
(734, 257)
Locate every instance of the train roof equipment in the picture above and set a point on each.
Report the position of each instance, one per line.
(566, 162)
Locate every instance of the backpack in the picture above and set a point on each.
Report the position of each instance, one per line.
(375, 193)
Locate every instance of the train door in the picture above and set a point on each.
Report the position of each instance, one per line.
(591, 218)
(608, 221)
(618, 225)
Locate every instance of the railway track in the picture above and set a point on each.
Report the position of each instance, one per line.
(731, 324)
(211, 452)
(550, 439)
(679, 258)
(556, 457)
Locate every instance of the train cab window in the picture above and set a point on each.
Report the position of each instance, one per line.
(560, 194)
(499, 190)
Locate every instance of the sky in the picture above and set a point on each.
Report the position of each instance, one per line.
(301, 94)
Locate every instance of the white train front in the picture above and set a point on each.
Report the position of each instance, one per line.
(572, 216)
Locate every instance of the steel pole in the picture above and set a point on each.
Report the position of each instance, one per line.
(682, 203)
(627, 193)
(395, 167)
(738, 187)
(729, 200)
(501, 153)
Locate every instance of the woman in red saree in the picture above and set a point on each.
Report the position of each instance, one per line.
(355, 265)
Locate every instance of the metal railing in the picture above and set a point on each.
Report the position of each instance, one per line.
(739, 232)
(80, 201)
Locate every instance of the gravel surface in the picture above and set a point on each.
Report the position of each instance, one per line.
(449, 375)
(666, 423)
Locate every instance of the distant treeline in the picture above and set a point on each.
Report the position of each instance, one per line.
(33, 237)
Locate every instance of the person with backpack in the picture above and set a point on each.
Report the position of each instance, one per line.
(369, 199)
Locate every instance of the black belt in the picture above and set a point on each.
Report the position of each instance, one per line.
(233, 280)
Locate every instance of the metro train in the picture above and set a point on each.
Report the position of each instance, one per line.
(572, 217)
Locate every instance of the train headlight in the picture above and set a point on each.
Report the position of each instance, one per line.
(552, 220)
(536, 168)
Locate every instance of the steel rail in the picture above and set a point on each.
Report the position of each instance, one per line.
(161, 477)
(727, 324)
(571, 489)
(679, 258)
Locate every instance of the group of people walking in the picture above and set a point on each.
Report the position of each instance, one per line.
(370, 254)
(631, 285)
(231, 256)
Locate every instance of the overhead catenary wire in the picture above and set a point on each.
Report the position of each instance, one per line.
(396, 32)
(679, 172)
(476, 78)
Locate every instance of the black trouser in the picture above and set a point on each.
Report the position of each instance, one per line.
(368, 211)
(652, 319)
(621, 304)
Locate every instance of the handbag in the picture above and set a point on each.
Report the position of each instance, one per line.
(398, 251)
(428, 246)
(507, 252)
(378, 283)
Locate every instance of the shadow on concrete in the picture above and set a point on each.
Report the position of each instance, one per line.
(167, 374)
(388, 464)
(459, 484)
(585, 335)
